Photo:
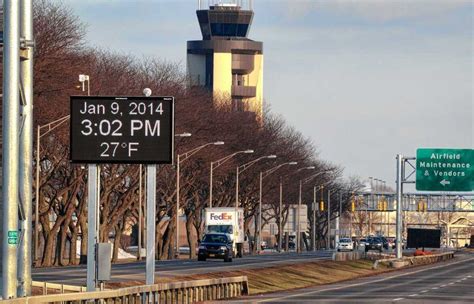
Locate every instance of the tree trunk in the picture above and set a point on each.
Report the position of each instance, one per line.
(73, 249)
(83, 225)
(190, 236)
(117, 239)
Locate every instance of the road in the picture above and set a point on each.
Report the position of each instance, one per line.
(447, 282)
(76, 275)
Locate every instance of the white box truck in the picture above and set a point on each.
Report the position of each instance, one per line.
(229, 221)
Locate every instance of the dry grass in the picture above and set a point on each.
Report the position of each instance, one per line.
(298, 275)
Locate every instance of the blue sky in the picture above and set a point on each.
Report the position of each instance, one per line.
(364, 80)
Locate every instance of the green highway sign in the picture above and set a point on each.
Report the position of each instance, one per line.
(12, 237)
(445, 169)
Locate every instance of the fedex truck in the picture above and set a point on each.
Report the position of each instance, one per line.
(229, 221)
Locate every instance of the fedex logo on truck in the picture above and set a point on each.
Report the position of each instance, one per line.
(221, 216)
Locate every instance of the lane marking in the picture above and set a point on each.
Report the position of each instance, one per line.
(451, 283)
(444, 285)
(413, 295)
(364, 283)
(397, 299)
(423, 291)
(434, 288)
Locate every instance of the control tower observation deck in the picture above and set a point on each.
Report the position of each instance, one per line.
(225, 61)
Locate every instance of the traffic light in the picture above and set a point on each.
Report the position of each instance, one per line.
(422, 206)
(321, 206)
(353, 205)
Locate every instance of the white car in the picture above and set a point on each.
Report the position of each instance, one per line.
(345, 244)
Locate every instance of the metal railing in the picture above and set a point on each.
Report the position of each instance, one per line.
(177, 292)
(61, 288)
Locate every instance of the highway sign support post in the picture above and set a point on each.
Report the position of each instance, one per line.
(92, 236)
(150, 223)
(26, 150)
(399, 206)
(10, 146)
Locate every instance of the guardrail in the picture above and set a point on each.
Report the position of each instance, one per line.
(62, 288)
(177, 292)
(422, 259)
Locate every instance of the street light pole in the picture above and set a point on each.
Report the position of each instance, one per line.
(262, 176)
(218, 163)
(241, 169)
(280, 216)
(180, 158)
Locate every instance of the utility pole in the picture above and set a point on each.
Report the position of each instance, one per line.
(329, 220)
(10, 146)
(313, 234)
(280, 214)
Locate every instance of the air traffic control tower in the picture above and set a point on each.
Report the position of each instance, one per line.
(225, 61)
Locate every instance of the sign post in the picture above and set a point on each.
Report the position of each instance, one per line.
(445, 169)
(124, 130)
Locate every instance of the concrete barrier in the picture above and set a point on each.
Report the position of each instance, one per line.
(416, 260)
(177, 292)
(347, 255)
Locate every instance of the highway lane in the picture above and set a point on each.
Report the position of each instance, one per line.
(447, 282)
(76, 275)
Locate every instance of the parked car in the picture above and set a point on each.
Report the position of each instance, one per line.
(217, 246)
(374, 243)
(345, 244)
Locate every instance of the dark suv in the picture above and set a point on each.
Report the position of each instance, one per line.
(216, 246)
(374, 243)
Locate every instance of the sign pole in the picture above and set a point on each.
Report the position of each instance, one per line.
(26, 152)
(91, 226)
(10, 147)
(150, 223)
(399, 206)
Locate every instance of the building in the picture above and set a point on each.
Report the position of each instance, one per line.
(225, 61)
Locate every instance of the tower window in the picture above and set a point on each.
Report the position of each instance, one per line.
(229, 29)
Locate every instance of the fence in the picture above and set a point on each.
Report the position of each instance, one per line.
(177, 292)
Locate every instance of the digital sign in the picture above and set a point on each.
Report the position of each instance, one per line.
(129, 130)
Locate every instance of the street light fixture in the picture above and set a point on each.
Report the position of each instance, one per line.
(180, 158)
(241, 169)
(218, 163)
(185, 134)
(262, 176)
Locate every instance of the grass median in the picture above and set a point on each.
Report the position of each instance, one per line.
(284, 277)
